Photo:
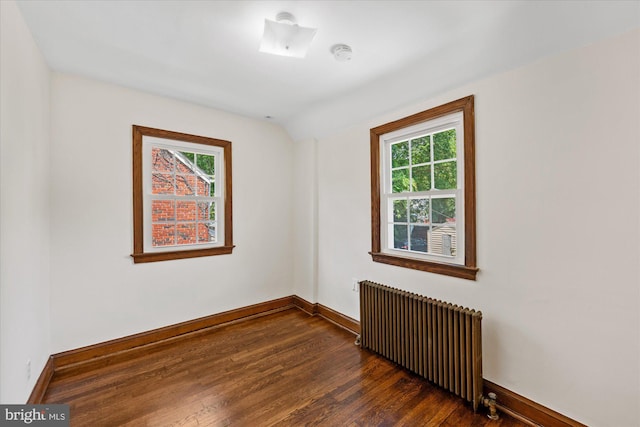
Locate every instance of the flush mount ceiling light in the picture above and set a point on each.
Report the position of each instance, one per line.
(284, 37)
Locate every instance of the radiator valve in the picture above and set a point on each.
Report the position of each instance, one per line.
(490, 402)
(357, 342)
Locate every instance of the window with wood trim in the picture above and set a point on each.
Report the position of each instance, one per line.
(423, 191)
(181, 195)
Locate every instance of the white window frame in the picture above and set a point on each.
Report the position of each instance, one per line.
(148, 143)
(450, 121)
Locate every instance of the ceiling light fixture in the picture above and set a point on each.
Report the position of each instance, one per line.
(285, 37)
(341, 52)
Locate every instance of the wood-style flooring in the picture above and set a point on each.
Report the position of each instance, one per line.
(284, 369)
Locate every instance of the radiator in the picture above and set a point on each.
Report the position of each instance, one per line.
(436, 340)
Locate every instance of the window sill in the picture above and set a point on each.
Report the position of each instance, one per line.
(165, 256)
(460, 271)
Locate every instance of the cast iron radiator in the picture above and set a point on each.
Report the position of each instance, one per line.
(436, 340)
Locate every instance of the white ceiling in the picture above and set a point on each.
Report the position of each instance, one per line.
(206, 52)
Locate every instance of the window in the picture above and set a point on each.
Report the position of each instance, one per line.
(423, 191)
(181, 195)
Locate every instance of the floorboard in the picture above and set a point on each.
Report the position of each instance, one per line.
(284, 369)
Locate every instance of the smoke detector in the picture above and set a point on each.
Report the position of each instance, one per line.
(341, 52)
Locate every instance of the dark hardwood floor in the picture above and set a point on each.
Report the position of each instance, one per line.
(286, 369)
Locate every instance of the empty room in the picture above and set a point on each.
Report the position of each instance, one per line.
(361, 213)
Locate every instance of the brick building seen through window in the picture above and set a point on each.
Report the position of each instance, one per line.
(181, 211)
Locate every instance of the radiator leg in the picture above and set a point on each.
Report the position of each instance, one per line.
(490, 402)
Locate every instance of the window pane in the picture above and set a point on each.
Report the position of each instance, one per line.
(400, 180)
(206, 163)
(400, 237)
(206, 232)
(444, 145)
(420, 150)
(163, 234)
(162, 183)
(400, 154)
(163, 210)
(419, 238)
(399, 211)
(422, 178)
(185, 185)
(190, 156)
(443, 239)
(206, 211)
(443, 210)
(445, 175)
(419, 211)
(186, 211)
(162, 160)
(212, 187)
(203, 186)
(186, 233)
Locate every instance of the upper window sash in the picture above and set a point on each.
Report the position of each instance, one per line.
(452, 121)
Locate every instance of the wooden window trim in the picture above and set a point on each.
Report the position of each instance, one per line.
(138, 255)
(469, 269)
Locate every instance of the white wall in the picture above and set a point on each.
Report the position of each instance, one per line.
(305, 221)
(558, 207)
(24, 207)
(99, 294)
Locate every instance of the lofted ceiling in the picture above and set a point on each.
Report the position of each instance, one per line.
(206, 52)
